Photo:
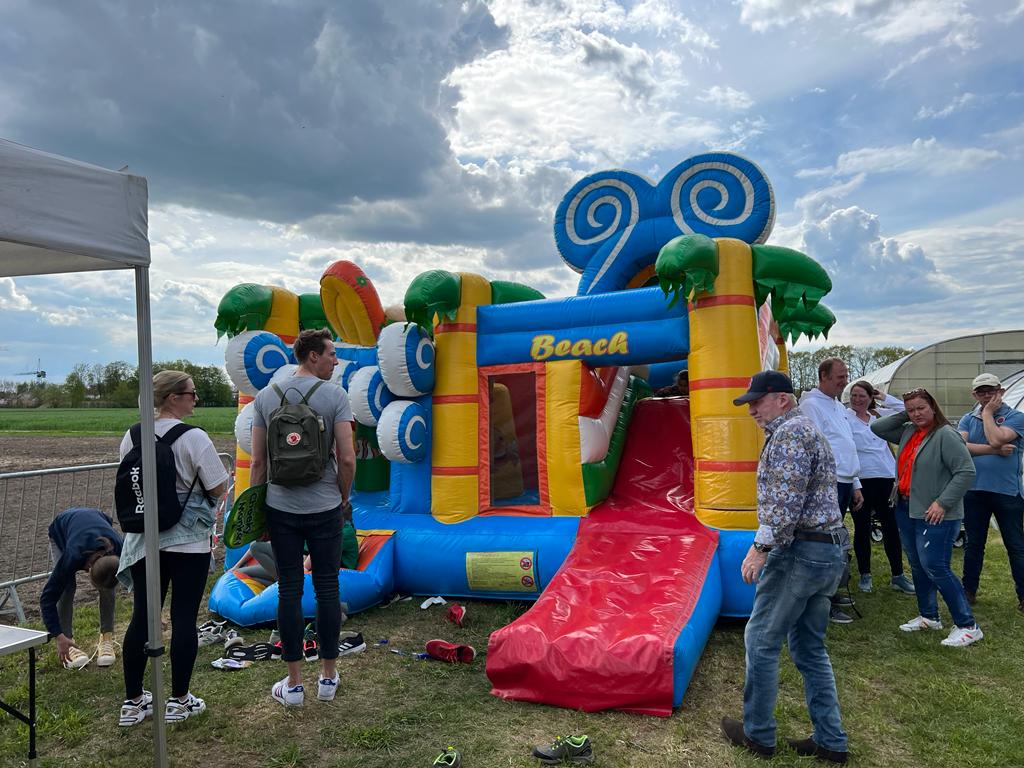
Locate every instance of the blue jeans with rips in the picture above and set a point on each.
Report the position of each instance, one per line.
(979, 507)
(792, 603)
(929, 549)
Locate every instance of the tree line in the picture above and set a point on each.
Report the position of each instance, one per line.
(113, 385)
(803, 366)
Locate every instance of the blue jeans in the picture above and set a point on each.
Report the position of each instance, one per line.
(792, 602)
(320, 533)
(979, 506)
(929, 548)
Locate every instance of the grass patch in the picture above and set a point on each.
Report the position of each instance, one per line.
(101, 421)
(905, 700)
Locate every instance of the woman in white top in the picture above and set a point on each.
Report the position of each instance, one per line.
(877, 474)
(184, 556)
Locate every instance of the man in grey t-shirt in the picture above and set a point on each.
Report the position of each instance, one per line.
(308, 516)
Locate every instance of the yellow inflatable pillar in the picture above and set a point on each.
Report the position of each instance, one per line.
(724, 354)
(455, 450)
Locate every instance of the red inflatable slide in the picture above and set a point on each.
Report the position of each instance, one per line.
(608, 631)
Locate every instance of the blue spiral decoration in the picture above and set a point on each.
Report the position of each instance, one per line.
(252, 358)
(368, 395)
(611, 225)
(405, 352)
(403, 432)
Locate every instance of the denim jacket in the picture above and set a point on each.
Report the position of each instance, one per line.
(196, 524)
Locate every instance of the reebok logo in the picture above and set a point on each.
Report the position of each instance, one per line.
(136, 476)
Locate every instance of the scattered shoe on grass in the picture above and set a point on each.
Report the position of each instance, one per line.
(232, 640)
(837, 616)
(566, 749)
(350, 643)
(442, 650)
(456, 614)
(255, 652)
(450, 758)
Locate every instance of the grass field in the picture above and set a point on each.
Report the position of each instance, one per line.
(905, 700)
(100, 421)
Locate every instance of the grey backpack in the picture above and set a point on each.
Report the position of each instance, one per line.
(297, 441)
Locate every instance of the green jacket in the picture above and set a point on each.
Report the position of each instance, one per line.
(943, 469)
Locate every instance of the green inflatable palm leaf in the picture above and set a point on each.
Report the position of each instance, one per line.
(505, 292)
(798, 320)
(311, 313)
(687, 265)
(245, 307)
(790, 277)
(437, 292)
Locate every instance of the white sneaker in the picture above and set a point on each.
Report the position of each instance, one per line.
(135, 712)
(232, 639)
(77, 659)
(920, 622)
(178, 711)
(289, 696)
(327, 688)
(963, 636)
(105, 656)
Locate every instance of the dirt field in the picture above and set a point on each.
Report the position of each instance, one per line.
(28, 505)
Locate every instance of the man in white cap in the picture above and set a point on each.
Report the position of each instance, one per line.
(796, 560)
(994, 433)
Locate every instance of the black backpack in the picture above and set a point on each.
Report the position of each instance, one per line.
(297, 441)
(128, 485)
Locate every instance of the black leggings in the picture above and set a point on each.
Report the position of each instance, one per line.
(876, 492)
(188, 573)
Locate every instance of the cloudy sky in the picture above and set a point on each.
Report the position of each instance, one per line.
(406, 135)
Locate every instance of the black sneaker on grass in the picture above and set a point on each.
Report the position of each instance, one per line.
(837, 616)
(351, 642)
(571, 749)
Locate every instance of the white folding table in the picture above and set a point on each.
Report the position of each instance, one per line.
(14, 640)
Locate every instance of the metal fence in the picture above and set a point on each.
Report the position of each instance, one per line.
(28, 503)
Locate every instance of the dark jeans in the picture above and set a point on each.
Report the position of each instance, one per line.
(876, 492)
(791, 606)
(290, 535)
(187, 573)
(979, 507)
(929, 548)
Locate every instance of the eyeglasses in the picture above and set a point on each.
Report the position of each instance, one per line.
(919, 392)
(982, 391)
(191, 394)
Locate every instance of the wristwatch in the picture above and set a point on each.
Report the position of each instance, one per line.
(759, 547)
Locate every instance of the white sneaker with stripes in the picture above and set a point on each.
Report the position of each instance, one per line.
(178, 711)
(135, 712)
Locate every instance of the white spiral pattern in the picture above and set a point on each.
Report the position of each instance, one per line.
(616, 203)
(736, 173)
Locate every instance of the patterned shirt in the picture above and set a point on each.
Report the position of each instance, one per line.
(796, 481)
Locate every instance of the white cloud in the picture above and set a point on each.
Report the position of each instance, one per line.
(922, 155)
(958, 103)
(726, 97)
(11, 298)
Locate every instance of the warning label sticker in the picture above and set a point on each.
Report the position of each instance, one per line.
(501, 571)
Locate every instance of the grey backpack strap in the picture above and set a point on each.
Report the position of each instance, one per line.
(309, 394)
(279, 392)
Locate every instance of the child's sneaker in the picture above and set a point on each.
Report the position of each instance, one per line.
(456, 614)
(327, 688)
(289, 696)
(77, 658)
(105, 656)
(445, 651)
(573, 749)
(351, 642)
(450, 758)
(178, 711)
(134, 712)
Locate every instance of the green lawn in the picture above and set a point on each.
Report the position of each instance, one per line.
(101, 421)
(905, 700)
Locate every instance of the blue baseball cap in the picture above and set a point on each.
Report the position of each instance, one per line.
(765, 383)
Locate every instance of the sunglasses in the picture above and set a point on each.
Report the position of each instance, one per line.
(191, 394)
(919, 392)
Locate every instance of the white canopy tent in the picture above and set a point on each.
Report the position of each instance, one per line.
(59, 215)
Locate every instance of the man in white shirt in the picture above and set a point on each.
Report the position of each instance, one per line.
(821, 405)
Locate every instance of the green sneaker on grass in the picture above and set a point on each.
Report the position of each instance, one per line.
(450, 758)
(570, 749)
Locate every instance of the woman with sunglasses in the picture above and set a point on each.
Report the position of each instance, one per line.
(184, 556)
(877, 475)
(934, 471)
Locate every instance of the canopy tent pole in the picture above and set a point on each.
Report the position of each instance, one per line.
(154, 648)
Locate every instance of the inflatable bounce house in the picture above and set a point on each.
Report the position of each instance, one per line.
(508, 446)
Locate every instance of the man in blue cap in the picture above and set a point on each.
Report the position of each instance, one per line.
(796, 560)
